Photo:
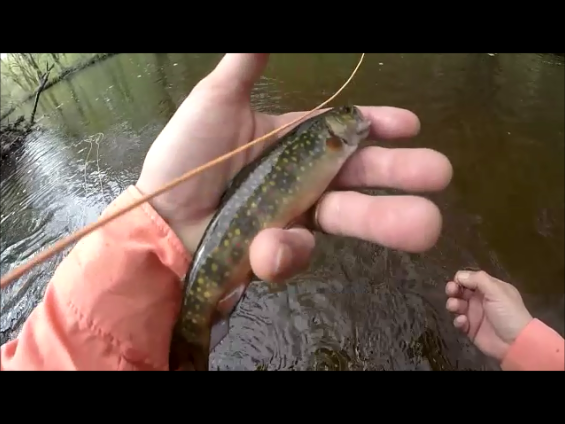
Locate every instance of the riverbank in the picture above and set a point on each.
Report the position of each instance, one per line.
(60, 77)
(12, 135)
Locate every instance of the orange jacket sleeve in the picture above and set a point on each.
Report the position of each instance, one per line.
(537, 348)
(112, 302)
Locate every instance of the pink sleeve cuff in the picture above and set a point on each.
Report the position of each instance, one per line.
(537, 348)
(167, 245)
(112, 302)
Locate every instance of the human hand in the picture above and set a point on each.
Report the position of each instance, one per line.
(217, 117)
(490, 311)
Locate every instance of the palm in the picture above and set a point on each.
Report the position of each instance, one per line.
(217, 117)
(481, 331)
(218, 122)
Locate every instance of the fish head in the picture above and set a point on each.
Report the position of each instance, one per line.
(348, 124)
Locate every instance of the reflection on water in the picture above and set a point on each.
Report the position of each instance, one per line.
(498, 118)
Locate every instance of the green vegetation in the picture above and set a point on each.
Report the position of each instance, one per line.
(24, 76)
(21, 74)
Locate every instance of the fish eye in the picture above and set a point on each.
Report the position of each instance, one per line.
(347, 109)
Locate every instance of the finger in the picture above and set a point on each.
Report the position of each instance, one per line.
(452, 289)
(387, 123)
(277, 254)
(407, 223)
(404, 169)
(461, 322)
(239, 71)
(476, 280)
(457, 306)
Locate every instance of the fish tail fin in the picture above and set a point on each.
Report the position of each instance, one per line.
(186, 356)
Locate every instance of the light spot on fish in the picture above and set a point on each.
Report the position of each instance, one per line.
(214, 267)
(207, 294)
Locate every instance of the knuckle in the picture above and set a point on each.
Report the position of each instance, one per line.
(483, 275)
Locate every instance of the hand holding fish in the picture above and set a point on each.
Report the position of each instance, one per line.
(217, 117)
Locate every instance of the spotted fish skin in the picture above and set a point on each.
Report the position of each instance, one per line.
(270, 192)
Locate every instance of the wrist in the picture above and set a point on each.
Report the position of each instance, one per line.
(519, 323)
(188, 233)
(537, 348)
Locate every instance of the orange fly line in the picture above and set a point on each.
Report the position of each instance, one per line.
(63, 243)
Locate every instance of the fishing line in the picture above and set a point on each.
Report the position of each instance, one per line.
(90, 140)
(63, 243)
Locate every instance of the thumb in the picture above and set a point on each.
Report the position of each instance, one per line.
(278, 254)
(476, 280)
(240, 70)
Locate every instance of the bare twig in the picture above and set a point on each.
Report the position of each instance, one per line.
(43, 81)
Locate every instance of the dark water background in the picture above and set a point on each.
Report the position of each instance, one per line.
(499, 118)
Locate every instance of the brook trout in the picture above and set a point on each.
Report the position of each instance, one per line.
(272, 191)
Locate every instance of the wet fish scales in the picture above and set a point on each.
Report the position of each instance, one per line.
(284, 182)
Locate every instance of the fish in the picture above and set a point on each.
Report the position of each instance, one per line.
(272, 191)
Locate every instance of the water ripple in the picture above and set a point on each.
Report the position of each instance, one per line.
(498, 118)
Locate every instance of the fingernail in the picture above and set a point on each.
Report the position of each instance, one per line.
(282, 258)
(463, 276)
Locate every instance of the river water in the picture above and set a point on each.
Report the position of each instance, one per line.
(498, 117)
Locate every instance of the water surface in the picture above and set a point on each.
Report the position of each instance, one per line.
(499, 119)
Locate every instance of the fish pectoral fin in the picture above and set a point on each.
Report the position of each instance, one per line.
(228, 303)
